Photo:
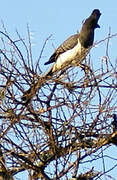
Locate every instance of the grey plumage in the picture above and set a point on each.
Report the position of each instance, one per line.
(86, 35)
(66, 45)
(71, 50)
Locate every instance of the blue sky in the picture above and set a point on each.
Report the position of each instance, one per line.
(60, 18)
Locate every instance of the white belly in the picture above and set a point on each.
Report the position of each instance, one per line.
(66, 57)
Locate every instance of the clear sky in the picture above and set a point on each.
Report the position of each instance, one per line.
(60, 18)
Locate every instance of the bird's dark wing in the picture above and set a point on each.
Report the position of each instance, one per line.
(66, 45)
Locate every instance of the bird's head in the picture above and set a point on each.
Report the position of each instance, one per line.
(92, 21)
(95, 17)
(86, 34)
(96, 13)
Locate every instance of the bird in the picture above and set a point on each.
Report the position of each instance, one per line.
(73, 50)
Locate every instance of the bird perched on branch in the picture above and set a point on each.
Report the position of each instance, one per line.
(75, 48)
(70, 53)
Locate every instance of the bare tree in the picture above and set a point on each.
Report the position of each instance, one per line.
(69, 124)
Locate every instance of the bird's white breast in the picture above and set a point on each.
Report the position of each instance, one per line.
(66, 57)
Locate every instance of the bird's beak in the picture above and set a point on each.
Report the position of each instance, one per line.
(98, 26)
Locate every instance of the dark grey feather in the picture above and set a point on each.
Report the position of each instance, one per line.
(66, 45)
(86, 35)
